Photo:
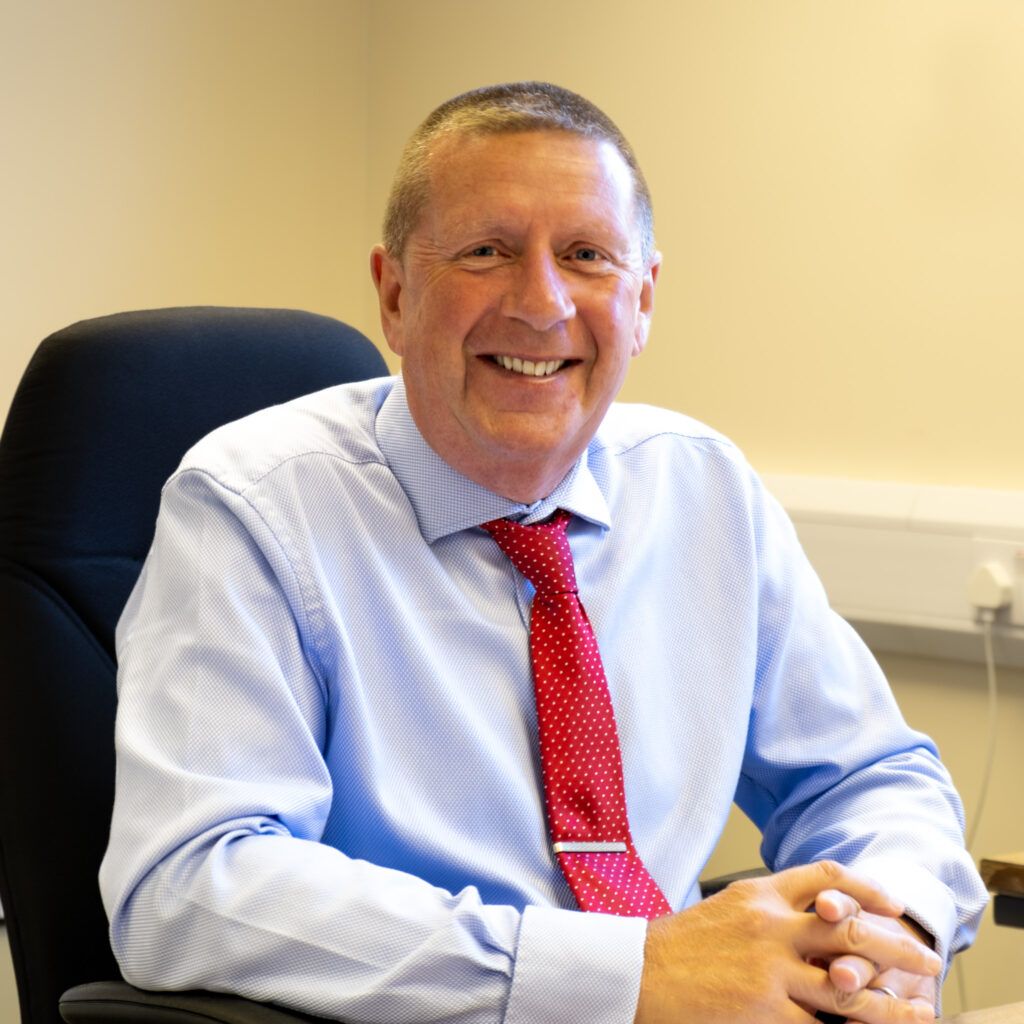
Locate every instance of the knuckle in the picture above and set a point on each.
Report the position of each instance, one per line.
(752, 894)
(864, 1004)
(760, 918)
(745, 887)
(831, 869)
(847, 1003)
(852, 932)
(908, 951)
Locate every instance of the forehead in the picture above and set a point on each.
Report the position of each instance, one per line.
(476, 178)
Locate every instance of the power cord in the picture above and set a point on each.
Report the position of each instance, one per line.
(986, 618)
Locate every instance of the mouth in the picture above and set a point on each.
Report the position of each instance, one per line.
(529, 367)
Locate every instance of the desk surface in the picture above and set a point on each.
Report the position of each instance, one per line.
(1010, 1014)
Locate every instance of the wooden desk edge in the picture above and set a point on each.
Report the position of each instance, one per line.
(1004, 874)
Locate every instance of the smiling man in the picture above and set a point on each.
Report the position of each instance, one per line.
(376, 762)
(517, 302)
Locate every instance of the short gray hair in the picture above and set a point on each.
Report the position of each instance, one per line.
(494, 110)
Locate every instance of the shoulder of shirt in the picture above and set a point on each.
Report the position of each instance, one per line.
(642, 445)
(337, 422)
(627, 426)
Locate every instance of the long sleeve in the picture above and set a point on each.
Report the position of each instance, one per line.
(217, 875)
(831, 769)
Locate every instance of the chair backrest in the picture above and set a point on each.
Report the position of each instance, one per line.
(102, 416)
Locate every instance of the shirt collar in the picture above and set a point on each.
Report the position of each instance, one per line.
(446, 502)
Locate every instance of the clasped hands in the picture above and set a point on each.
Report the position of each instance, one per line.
(753, 954)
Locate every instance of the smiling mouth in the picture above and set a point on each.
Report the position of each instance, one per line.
(541, 368)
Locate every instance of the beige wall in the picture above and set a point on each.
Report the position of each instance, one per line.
(837, 190)
(172, 152)
(837, 187)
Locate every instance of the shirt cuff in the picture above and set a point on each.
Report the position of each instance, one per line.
(571, 965)
(926, 899)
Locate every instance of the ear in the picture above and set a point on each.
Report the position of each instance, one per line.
(389, 280)
(645, 305)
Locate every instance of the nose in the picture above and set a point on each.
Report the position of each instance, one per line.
(538, 293)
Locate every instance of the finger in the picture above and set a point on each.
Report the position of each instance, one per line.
(801, 886)
(908, 986)
(859, 937)
(833, 905)
(925, 1016)
(850, 973)
(865, 1006)
(923, 1012)
(925, 1009)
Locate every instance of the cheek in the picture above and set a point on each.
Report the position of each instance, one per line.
(447, 315)
(434, 350)
(615, 323)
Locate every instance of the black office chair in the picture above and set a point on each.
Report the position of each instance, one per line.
(101, 418)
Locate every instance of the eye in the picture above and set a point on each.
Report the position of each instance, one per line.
(483, 251)
(586, 254)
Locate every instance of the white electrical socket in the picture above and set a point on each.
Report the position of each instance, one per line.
(896, 559)
(990, 587)
(1006, 559)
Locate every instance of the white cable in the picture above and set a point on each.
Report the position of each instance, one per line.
(993, 712)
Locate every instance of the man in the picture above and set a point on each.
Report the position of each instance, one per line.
(330, 793)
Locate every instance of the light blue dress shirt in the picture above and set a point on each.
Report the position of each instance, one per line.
(328, 788)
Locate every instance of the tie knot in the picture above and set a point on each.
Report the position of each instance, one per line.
(540, 552)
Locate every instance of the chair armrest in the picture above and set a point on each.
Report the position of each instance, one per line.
(117, 1002)
(709, 886)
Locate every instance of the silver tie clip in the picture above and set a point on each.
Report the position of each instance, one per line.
(588, 847)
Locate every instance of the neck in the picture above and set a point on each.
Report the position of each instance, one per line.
(515, 488)
(524, 470)
(520, 480)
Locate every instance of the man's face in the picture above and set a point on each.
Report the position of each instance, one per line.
(521, 297)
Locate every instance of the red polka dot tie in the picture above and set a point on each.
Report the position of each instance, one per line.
(579, 743)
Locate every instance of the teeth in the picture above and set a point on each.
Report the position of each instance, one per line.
(528, 367)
